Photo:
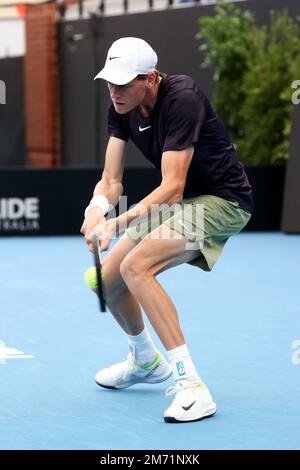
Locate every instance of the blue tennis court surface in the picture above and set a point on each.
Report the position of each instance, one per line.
(241, 323)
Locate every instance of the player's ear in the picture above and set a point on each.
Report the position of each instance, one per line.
(152, 78)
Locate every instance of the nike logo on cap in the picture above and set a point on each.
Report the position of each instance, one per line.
(141, 129)
(115, 57)
(186, 408)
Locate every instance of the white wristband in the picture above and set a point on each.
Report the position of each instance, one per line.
(98, 201)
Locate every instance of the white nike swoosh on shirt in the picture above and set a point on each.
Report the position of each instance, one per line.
(141, 129)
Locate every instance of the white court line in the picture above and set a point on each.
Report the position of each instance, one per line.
(12, 353)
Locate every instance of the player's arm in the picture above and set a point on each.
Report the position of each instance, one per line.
(174, 165)
(110, 185)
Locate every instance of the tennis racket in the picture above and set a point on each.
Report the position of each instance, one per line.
(98, 266)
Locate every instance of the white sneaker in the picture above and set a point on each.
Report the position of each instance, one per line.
(192, 402)
(128, 373)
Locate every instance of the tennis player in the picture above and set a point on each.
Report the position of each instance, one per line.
(208, 199)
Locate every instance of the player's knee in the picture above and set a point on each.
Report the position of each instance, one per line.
(131, 269)
(112, 285)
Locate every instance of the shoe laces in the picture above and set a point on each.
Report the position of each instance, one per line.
(181, 385)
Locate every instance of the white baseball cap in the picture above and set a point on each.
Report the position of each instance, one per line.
(126, 59)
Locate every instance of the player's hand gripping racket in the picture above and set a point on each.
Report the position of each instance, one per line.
(98, 266)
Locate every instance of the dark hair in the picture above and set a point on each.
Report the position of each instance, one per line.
(144, 76)
(141, 77)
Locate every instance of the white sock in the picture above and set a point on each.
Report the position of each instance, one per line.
(144, 350)
(182, 364)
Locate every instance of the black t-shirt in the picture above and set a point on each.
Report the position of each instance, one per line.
(183, 117)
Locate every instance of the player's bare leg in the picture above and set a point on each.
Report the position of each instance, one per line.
(155, 254)
(144, 363)
(122, 304)
(159, 251)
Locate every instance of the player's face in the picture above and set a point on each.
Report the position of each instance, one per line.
(129, 96)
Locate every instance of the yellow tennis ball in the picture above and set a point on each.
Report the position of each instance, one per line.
(90, 277)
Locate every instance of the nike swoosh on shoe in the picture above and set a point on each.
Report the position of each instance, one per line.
(186, 408)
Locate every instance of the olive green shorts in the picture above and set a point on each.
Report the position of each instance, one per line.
(206, 221)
